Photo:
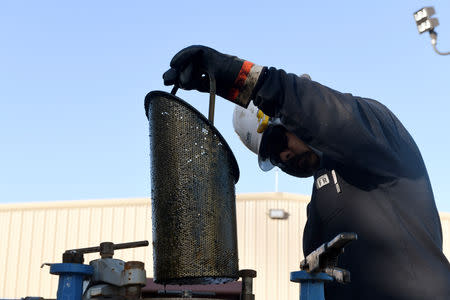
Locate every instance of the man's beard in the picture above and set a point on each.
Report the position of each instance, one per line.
(302, 165)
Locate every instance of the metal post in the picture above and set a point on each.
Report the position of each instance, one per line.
(71, 276)
(311, 284)
(247, 284)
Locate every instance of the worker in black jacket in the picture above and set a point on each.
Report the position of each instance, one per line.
(369, 174)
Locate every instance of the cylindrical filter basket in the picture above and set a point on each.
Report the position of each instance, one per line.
(193, 178)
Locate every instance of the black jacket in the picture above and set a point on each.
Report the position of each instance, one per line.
(377, 186)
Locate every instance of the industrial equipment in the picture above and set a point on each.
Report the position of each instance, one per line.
(102, 278)
(320, 266)
(194, 173)
(114, 279)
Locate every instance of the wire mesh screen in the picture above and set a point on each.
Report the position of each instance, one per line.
(193, 176)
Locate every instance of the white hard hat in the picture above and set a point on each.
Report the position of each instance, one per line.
(261, 134)
(250, 124)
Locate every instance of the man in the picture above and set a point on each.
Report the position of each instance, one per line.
(369, 175)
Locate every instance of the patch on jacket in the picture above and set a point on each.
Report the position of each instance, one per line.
(322, 180)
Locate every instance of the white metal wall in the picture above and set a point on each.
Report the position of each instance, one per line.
(272, 247)
(34, 233)
(40, 232)
(445, 222)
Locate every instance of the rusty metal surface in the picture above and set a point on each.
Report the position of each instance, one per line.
(227, 290)
(193, 173)
(134, 265)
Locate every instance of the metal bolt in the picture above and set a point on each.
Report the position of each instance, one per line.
(106, 250)
(73, 257)
(247, 276)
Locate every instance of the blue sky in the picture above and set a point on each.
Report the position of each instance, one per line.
(73, 77)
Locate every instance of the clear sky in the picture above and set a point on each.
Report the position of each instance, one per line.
(73, 77)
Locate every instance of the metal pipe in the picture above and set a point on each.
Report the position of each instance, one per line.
(115, 246)
(212, 97)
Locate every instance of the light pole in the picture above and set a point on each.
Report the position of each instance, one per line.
(425, 23)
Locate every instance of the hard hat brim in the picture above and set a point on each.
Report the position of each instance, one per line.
(263, 154)
(273, 142)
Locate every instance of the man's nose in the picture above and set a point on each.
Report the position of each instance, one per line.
(286, 155)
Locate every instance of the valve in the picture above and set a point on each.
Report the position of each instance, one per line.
(72, 272)
(106, 249)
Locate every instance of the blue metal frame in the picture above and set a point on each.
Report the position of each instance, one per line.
(71, 276)
(311, 284)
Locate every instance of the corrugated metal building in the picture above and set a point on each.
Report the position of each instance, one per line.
(35, 233)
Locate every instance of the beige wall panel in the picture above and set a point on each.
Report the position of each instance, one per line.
(240, 219)
(140, 233)
(249, 238)
(13, 251)
(294, 234)
(73, 221)
(61, 225)
(106, 223)
(51, 250)
(96, 230)
(5, 221)
(283, 252)
(272, 254)
(38, 277)
(129, 230)
(260, 250)
(445, 222)
(25, 240)
(35, 233)
(273, 251)
(13, 248)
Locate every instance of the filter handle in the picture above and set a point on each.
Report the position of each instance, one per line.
(212, 95)
(174, 90)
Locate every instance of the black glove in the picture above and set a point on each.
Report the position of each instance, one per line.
(235, 78)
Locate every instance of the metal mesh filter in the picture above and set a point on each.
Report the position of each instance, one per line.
(193, 195)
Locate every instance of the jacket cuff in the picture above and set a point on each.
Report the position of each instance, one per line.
(245, 83)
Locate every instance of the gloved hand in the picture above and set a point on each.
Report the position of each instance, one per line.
(235, 78)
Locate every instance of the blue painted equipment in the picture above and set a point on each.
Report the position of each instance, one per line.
(71, 276)
(311, 284)
(320, 266)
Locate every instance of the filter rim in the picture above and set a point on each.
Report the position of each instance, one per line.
(156, 94)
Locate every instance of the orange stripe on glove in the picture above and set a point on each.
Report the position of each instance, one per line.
(240, 80)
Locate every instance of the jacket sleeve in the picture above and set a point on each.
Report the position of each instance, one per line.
(354, 131)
